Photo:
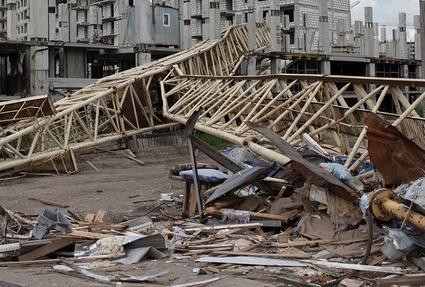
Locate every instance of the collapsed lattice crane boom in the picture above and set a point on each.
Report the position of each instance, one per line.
(130, 103)
(119, 105)
(293, 105)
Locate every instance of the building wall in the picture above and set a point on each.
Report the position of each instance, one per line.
(166, 34)
(231, 10)
(143, 22)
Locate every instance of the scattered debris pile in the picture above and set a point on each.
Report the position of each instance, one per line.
(310, 222)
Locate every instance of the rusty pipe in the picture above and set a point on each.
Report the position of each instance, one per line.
(385, 207)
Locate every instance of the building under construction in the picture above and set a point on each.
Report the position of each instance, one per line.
(62, 46)
(322, 173)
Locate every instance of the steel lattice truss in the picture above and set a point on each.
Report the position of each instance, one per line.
(293, 105)
(117, 106)
(166, 92)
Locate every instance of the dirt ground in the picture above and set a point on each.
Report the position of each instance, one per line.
(118, 184)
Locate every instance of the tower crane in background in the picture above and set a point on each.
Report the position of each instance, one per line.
(354, 4)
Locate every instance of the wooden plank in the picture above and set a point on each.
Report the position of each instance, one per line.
(318, 242)
(409, 280)
(48, 203)
(197, 283)
(10, 247)
(55, 245)
(250, 260)
(100, 214)
(31, 262)
(88, 235)
(266, 255)
(358, 267)
(228, 226)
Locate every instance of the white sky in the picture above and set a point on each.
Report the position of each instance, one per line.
(385, 12)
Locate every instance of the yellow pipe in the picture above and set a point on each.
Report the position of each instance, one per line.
(385, 208)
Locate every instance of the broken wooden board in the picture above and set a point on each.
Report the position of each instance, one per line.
(55, 245)
(245, 260)
(250, 260)
(405, 280)
(358, 267)
(228, 226)
(197, 283)
(265, 255)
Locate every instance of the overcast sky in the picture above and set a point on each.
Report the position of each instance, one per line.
(385, 12)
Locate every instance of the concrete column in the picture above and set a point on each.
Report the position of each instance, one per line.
(205, 14)
(72, 25)
(376, 39)
(326, 67)
(275, 43)
(252, 43)
(238, 18)
(214, 17)
(392, 44)
(52, 64)
(383, 47)
(359, 36)
(369, 33)
(12, 31)
(418, 44)
(285, 38)
(422, 20)
(324, 36)
(76, 63)
(187, 28)
(52, 20)
(143, 22)
(62, 63)
(259, 15)
(143, 57)
(371, 69)
(405, 72)
(39, 70)
(402, 36)
(341, 33)
(370, 44)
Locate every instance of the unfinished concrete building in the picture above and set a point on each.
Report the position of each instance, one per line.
(311, 36)
(63, 44)
(82, 40)
(299, 19)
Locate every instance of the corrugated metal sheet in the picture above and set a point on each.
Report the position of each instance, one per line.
(151, 141)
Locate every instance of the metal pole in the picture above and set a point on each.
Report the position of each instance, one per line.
(195, 176)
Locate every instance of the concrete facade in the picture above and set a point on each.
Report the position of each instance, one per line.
(303, 18)
(95, 38)
(84, 38)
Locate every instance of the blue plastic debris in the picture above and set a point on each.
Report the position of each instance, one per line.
(343, 174)
(212, 176)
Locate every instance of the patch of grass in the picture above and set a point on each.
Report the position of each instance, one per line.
(420, 110)
(214, 141)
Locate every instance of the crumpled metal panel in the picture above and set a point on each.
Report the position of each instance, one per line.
(240, 179)
(397, 158)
